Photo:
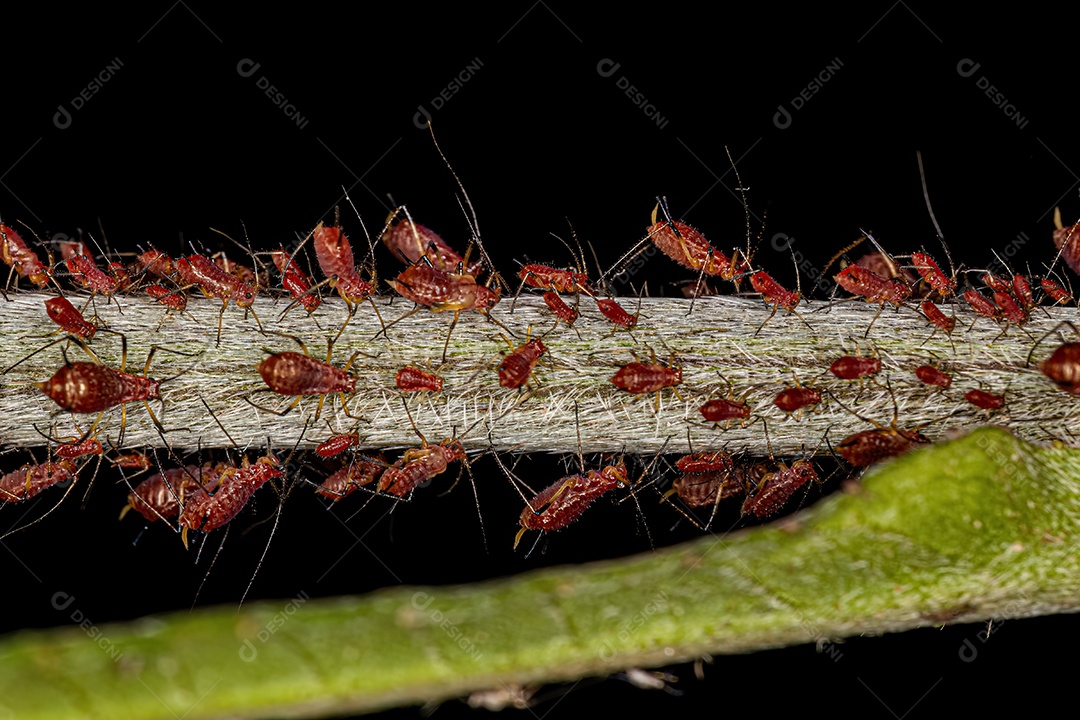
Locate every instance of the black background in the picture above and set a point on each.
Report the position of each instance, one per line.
(178, 141)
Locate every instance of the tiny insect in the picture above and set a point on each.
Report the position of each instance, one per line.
(563, 502)
(410, 241)
(30, 480)
(235, 487)
(932, 274)
(995, 283)
(725, 410)
(200, 271)
(413, 379)
(688, 247)
(851, 367)
(641, 378)
(337, 445)
(1010, 309)
(614, 312)
(559, 307)
(518, 365)
(293, 373)
(703, 462)
(794, 399)
(172, 299)
(418, 465)
(295, 281)
(857, 280)
(777, 487)
(156, 263)
(90, 276)
(1058, 294)
(984, 400)
(871, 446)
(1021, 288)
(700, 489)
(980, 304)
(932, 376)
(335, 256)
(356, 474)
(15, 252)
(161, 495)
(64, 314)
(549, 278)
(934, 314)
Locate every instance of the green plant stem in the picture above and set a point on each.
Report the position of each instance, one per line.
(963, 531)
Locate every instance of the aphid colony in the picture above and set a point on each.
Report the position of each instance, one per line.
(205, 497)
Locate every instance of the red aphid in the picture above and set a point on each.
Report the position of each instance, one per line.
(335, 257)
(614, 312)
(995, 283)
(688, 247)
(295, 281)
(1021, 288)
(15, 252)
(201, 271)
(870, 446)
(70, 451)
(980, 304)
(984, 400)
(932, 274)
(172, 299)
(700, 489)
(293, 373)
(932, 376)
(871, 286)
(717, 461)
(776, 488)
(29, 480)
(562, 502)
(132, 461)
(234, 489)
(558, 306)
(517, 366)
(410, 241)
(160, 495)
(794, 399)
(722, 410)
(442, 291)
(354, 475)
(86, 387)
(413, 379)
(90, 276)
(418, 465)
(549, 278)
(64, 314)
(773, 292)
(1063, 367)
(934, 314)
(850, 367)
(337, 445)
(640, 378)
(1057, 293)
(156, 263)
(1012, 312)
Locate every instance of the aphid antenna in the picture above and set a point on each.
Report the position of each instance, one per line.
(213, 561)
(245, 247)
(470, 216)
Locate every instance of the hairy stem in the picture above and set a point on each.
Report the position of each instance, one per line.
(719, 346)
